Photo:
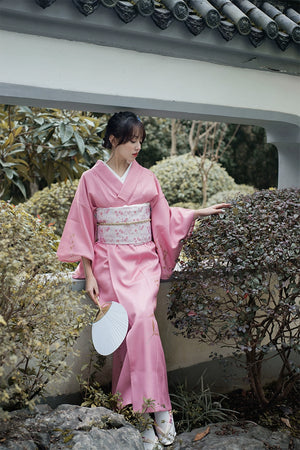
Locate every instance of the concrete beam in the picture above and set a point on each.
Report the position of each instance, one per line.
(43, 71)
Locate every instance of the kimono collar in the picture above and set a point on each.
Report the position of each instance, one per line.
(129, 185)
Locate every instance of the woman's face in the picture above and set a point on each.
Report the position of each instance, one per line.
(129, 150)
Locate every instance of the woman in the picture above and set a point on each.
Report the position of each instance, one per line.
(126, 237)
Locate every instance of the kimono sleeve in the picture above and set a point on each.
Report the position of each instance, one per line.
(78, 237)
(170, 226)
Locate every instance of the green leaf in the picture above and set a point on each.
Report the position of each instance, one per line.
(9, 173)
(65, 132)
(21, 187)
(92, 150)
(44, 127)
(79, 142)
(72, 152)
(39, 120)
(25, 109)
(7, 164)
(49, 135)
(16, 150)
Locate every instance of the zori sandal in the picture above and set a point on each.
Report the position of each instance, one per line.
(164, 427)
(150, 440)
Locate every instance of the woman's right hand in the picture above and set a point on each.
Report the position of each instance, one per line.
(91, 287)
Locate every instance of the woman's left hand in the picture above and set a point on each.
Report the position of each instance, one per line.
(211, 210)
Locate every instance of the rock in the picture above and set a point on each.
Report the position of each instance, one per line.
(20, 445)
(70, 426)
(79, 428)
(239, 436)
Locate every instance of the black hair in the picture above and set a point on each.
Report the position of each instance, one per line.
(122, 126)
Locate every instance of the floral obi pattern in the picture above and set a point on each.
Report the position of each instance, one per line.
(124, 224)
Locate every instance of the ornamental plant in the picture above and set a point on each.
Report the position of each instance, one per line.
(40, 316)
(180, 178)
(225, 196)
(240, 286)
(40, 146)
(52, 204)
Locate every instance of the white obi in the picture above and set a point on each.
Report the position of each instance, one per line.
(124, 224)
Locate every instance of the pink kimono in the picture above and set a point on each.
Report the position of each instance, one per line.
(129, 273)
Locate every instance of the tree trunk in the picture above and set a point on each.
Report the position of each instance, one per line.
(174, 129)
(33, 187)
(254, 374)
(204, 189)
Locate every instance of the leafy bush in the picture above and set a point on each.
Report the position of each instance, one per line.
(38, 146)
(225, 196)
(180, 179)
(52, 204)
(240, 286)
(188, 205)
(39, 314)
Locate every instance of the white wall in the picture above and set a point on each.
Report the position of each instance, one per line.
(61, 65)
(43, 71)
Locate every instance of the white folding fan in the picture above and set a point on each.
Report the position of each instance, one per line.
(109, 328)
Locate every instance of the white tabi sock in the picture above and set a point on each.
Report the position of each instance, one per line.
(164, 426)
(150, 440)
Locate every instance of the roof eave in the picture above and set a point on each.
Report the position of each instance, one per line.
(104, 27)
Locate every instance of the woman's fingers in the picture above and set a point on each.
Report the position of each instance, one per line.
(92, 289)
(223, 205)
(210, 210)
(220, 208)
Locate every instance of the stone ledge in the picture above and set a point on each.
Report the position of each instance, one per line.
(69, 426)
(81, 428)
(236, 436)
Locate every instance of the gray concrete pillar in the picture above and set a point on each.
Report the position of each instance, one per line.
(288, 164)
(286, 137)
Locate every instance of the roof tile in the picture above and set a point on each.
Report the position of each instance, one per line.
(256, 20)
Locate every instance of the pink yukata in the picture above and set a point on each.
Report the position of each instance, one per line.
(129, 273)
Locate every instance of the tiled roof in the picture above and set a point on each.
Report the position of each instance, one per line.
(256, 20)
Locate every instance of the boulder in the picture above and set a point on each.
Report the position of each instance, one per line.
(69, 426)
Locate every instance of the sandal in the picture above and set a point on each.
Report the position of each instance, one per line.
(164, 427)
(150, 440)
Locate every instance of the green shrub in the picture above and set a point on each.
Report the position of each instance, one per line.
(52, 204)
(39, 313)
(188, 205)
(240, 286)
(180, 179)
(225, 196)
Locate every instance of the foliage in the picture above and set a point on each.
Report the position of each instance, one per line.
(180, 179)
(95, 397)
(240, 286)
(198, 406)
(225, 196)
(157, 144)
(94, 394)
(250, 159)
(52, 204)
(40, 317)
(39, 146)
(211, 137)
(187, 205)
